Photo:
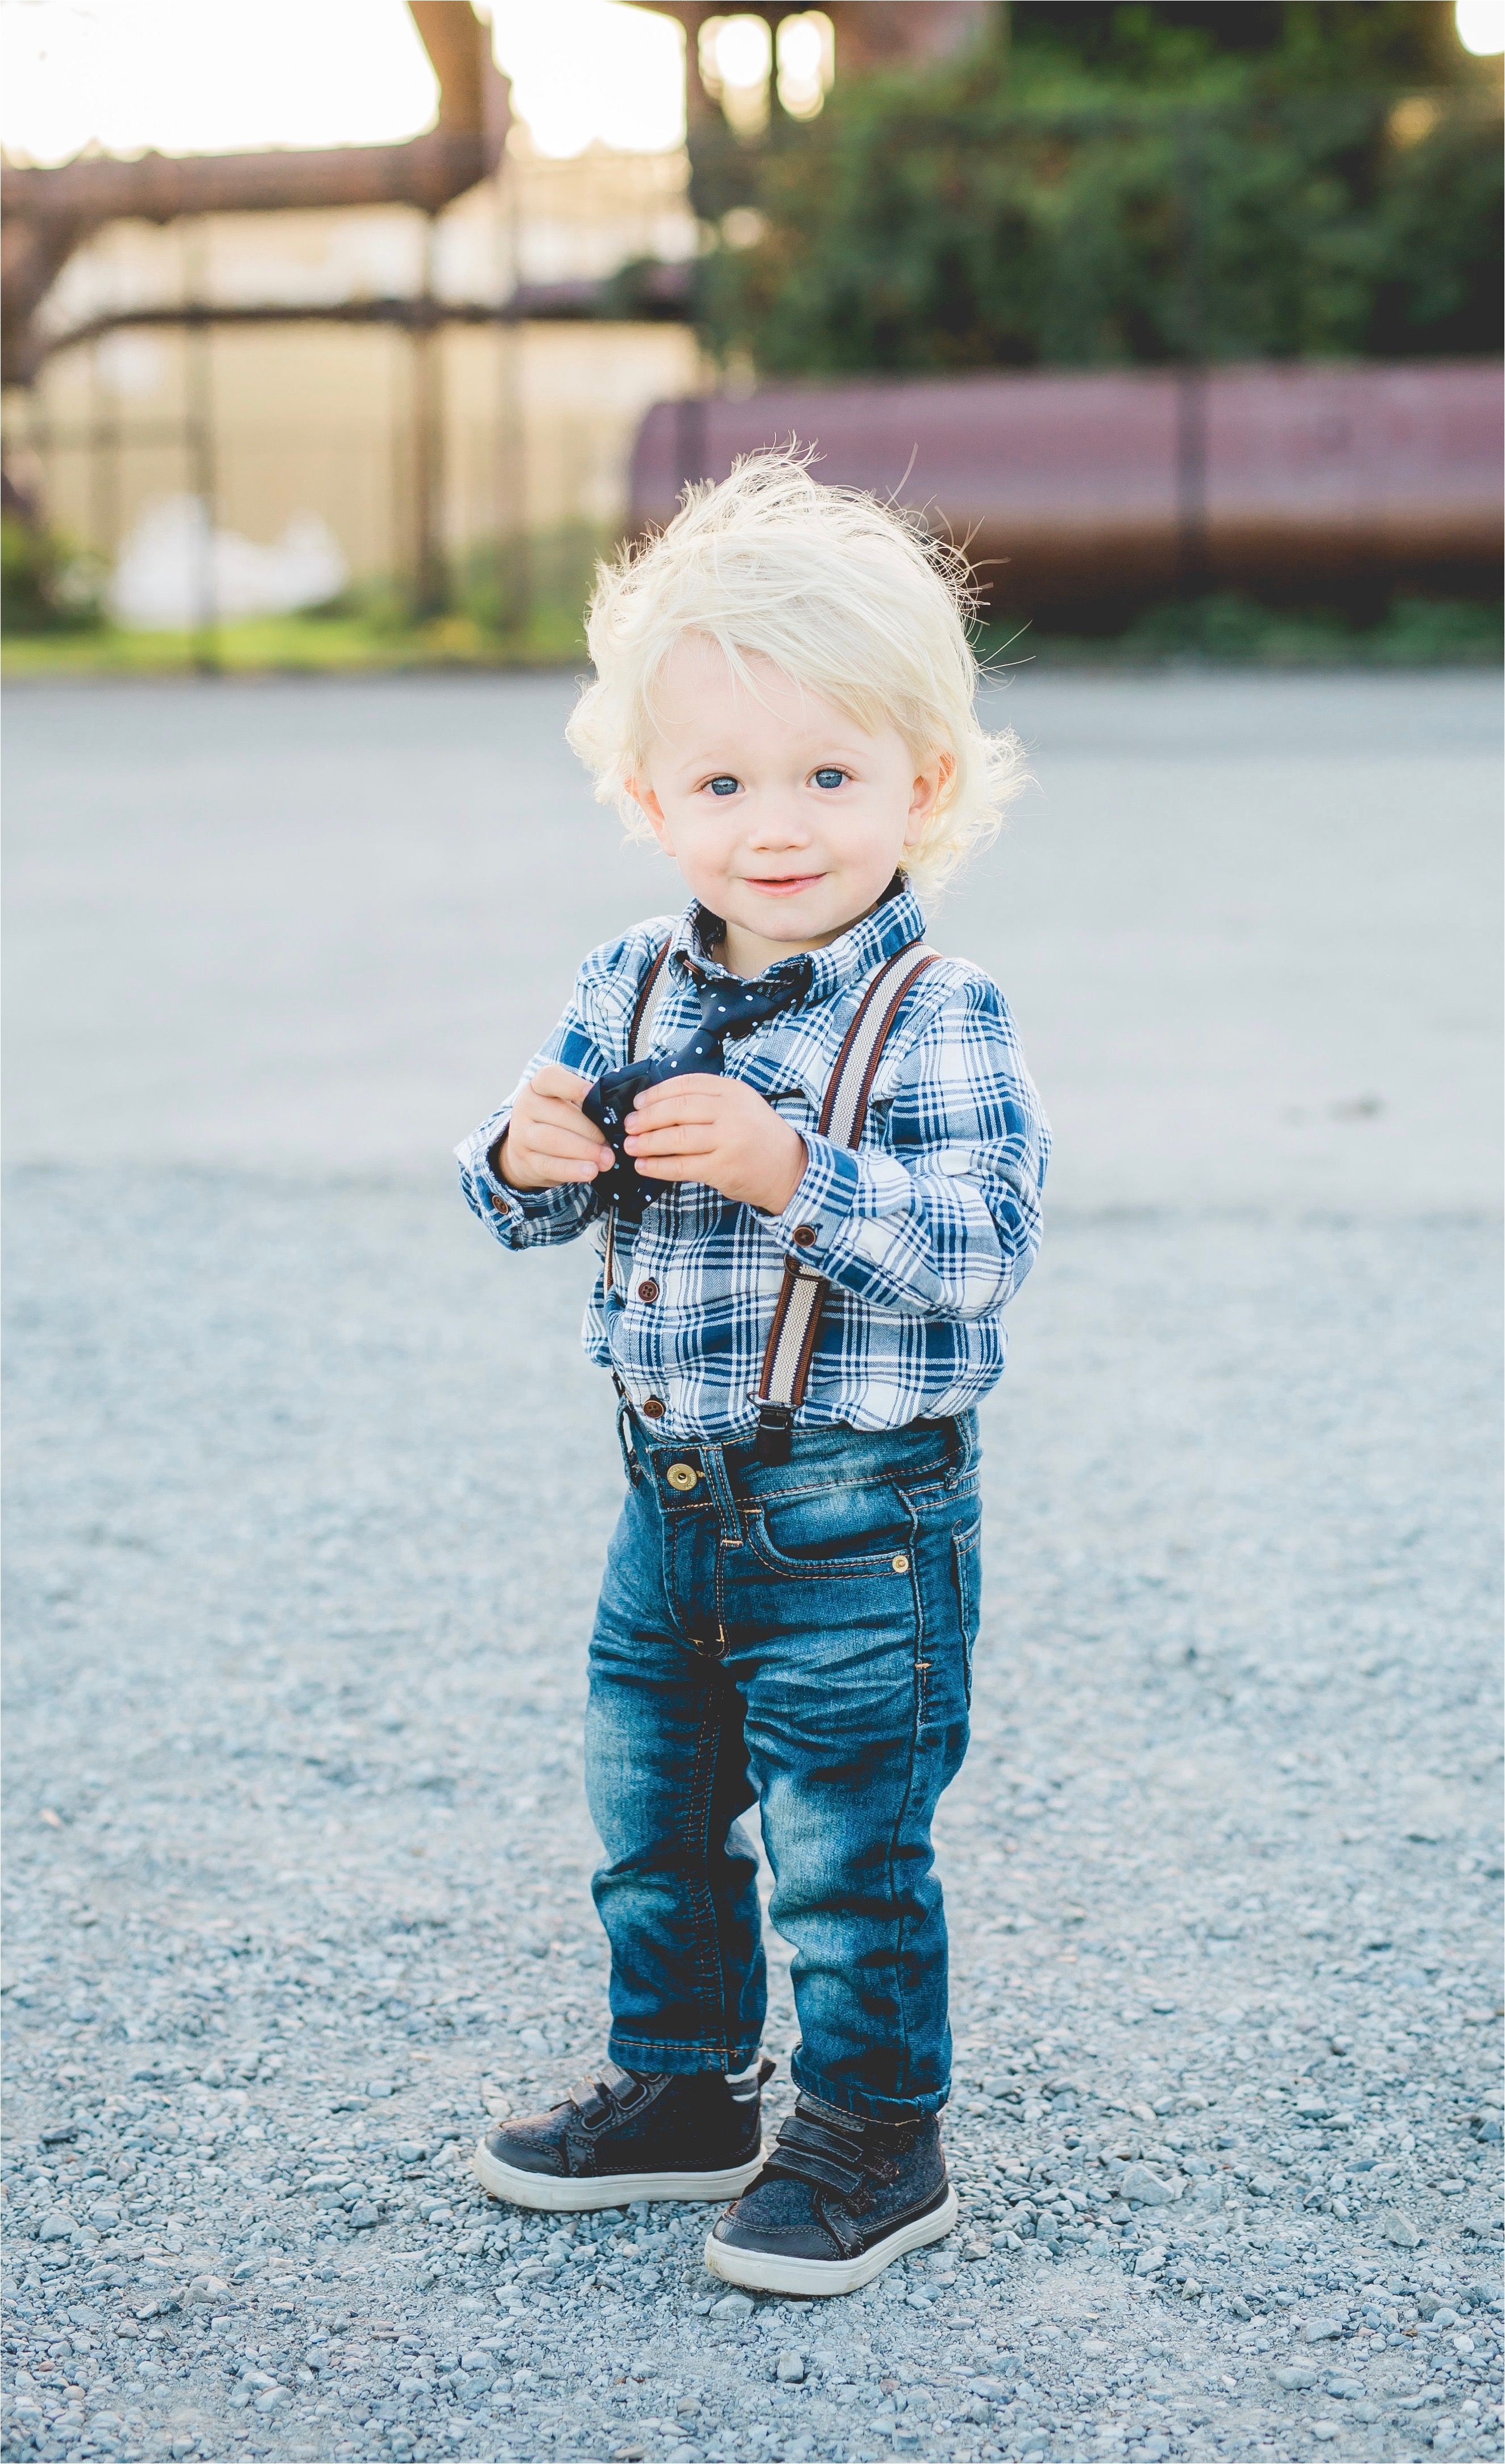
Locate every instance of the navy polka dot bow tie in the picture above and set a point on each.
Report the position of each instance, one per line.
(727, 1008)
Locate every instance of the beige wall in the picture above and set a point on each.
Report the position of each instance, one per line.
(537, 420)
(539, 424)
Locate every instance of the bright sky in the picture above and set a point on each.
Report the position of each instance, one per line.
(203, 76)
(1481, 26)
(206, 77)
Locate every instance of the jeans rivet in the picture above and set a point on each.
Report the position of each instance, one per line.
(901, 1565)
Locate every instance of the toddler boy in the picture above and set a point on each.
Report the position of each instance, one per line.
(783, 695)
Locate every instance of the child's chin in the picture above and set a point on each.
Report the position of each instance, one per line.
(815, 908)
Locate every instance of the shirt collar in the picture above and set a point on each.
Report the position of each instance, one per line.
(894, 924)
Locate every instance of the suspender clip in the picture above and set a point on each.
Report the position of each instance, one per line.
(775, 1430)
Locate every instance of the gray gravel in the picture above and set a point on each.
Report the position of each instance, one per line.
(309, 1495)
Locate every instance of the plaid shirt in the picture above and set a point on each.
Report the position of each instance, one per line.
(924, 1231)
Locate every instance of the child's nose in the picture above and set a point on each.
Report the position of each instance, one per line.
(778, 824)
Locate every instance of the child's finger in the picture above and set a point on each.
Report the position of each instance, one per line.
(663, 1116)
(671, 1094)
(553, 1079)
(548, 1145)
(687, 1137)
(561, 1122)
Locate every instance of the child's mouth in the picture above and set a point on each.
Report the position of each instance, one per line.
(783, 885)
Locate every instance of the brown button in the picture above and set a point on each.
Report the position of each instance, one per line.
(652, 1409)
(805, 1235)
(649, 1290)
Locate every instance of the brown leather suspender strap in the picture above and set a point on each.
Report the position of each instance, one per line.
(796, 1317)
(644, 1011)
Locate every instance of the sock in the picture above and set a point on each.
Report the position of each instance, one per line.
(744, 2084)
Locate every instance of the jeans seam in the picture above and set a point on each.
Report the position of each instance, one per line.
(708, 1938)
(840, 2095)
(716, 2053)
(761, 1497)
(899, 1822)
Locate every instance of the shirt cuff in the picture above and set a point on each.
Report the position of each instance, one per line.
(509, 1206)
(836, 1188)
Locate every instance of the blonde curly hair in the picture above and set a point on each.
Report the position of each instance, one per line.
(848, 596)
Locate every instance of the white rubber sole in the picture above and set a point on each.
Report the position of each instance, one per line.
(560, 2196)
(765, 2271)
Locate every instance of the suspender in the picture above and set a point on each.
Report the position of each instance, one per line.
(796, 1318)
(650, 1002)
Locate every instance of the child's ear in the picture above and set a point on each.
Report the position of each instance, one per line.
(647, 803)
(930, 784)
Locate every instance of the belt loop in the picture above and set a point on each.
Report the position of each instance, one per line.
(719, 1480)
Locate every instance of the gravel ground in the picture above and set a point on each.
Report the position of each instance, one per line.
(310, 1494)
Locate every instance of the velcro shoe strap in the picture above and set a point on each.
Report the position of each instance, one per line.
(803, 2130)
(810, 2165)
(590, 2099)
(843, 2223)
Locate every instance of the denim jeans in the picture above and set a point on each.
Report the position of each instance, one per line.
(797, 1636)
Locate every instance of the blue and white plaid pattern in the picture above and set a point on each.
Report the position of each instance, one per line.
(924, 1232)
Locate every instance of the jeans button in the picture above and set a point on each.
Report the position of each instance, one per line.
(681, 1476)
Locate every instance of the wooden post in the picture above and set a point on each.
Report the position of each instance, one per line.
(199, 384)
(431, 581)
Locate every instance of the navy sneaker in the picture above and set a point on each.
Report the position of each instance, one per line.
(626, 2135)
(839, 2199)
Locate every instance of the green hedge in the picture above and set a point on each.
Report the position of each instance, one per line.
(1013, 209)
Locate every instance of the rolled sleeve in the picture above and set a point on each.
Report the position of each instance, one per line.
(946, 1223)
(838, 1189)
(590, 1039)
(520, 1219)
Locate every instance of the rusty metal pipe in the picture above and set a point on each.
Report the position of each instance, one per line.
(47, 213)
(1070, 487)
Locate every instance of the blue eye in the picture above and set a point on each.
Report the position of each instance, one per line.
(722, 786)
(830, 777)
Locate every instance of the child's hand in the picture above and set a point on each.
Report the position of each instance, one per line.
(717, 1130)
(549, 1139)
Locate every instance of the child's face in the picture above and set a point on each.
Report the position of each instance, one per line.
(784, 816)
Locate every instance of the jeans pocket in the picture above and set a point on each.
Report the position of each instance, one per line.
(966, 1560)
(857, 1533)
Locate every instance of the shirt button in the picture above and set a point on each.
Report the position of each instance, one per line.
(652, 1408)
(647, 1290)
(805, 1235)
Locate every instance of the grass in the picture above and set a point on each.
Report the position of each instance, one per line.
(1227, 629)
(311, 644)
(1224, 629)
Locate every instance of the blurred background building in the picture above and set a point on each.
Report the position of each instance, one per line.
(1168, 308)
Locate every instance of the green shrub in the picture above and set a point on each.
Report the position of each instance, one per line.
(1230, 628)
(45, 586)
(1134, 198)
